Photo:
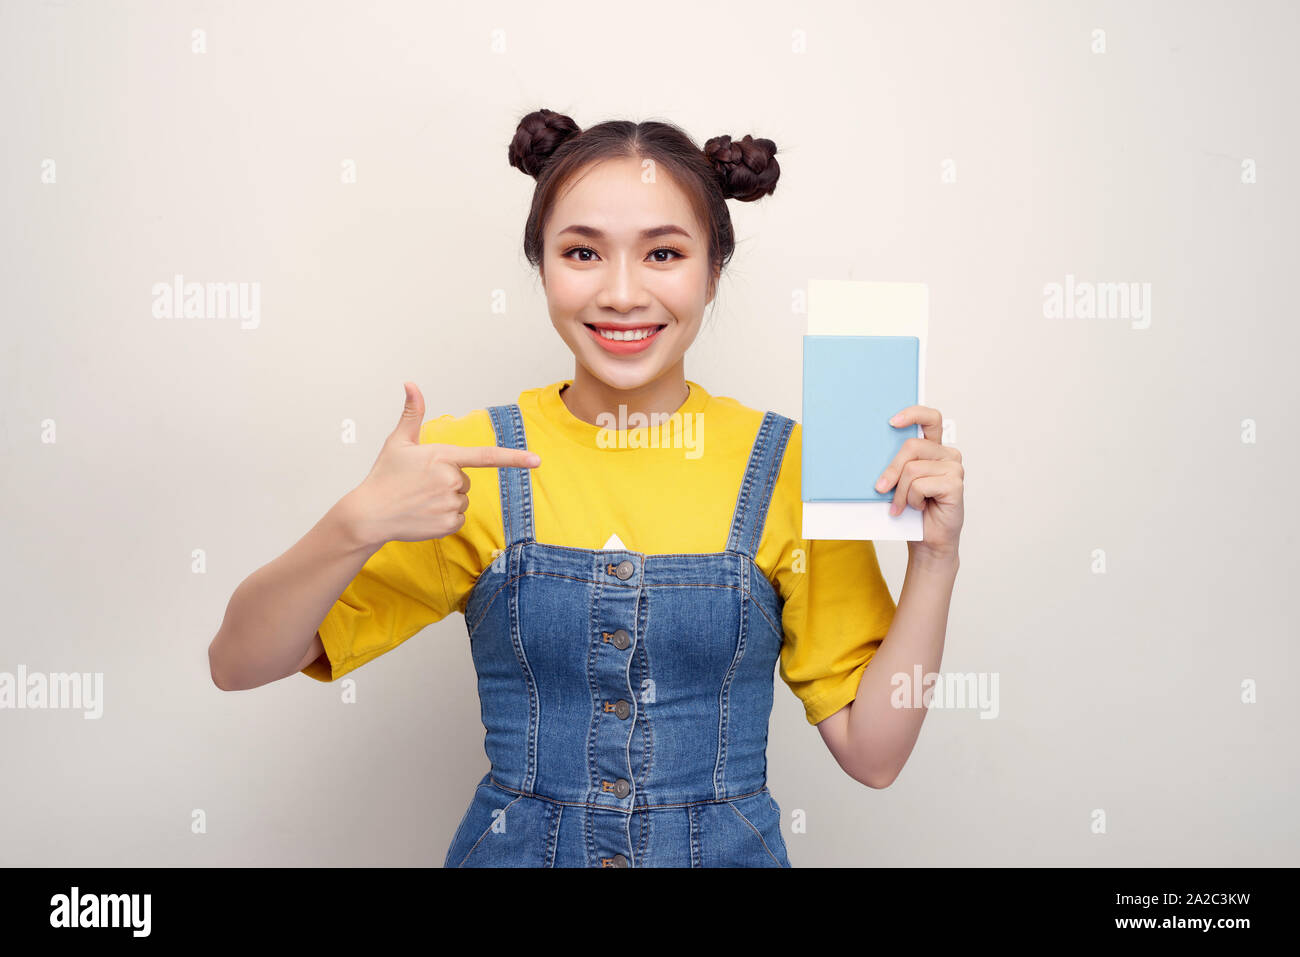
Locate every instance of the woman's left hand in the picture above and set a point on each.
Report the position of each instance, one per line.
(929, 478)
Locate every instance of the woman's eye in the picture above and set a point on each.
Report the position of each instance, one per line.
(586, 249)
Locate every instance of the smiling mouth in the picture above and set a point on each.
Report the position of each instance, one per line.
(633, 334)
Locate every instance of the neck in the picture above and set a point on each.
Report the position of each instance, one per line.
(588, 397)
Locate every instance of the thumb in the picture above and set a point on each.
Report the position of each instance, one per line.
(408, 426)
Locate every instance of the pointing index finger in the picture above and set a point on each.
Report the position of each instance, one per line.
(488, 456)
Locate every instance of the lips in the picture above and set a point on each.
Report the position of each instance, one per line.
(624, 347)
(609, 326)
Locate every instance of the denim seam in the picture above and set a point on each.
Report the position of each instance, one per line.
(632, 724)
(724, 693)
(771, 469)
(589, 581)
(464, 819)
(777, 630)
(517, 643)
(589, 835)
(486, 832)
(554, 839)
(510, 527)
(633, 809)
(644, 716)
(756, 831)
(693, 819)
(593, 693)
(760, 491)
(525, 476)
(650, 557)
(627, 741)
(740, 518)
(534, 705)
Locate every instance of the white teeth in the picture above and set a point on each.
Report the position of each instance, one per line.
(631, 335)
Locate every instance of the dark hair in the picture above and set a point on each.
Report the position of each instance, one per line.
(549, 147)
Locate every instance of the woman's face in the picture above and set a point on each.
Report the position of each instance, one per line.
(599, 269)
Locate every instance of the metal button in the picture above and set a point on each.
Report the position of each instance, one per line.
(624, 569)
(621, 788)
(619, 861)
(622, 708)
(621, 639)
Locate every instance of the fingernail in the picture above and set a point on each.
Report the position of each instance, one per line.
(896, 419)
(880, 484)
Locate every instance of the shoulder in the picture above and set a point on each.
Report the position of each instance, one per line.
(737, 415)
(744, 421)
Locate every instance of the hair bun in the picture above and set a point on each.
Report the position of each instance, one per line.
(538, 136)
(747, 169)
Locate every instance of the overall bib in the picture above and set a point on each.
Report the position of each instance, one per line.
(625, 696)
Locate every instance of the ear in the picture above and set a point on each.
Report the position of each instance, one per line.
(713, 285)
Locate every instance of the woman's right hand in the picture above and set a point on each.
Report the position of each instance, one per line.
(416, 492)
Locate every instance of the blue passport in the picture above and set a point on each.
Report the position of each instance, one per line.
(852, 386)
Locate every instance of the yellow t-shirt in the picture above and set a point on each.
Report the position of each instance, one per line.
(837, 606)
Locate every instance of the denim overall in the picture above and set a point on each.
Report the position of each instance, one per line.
(625, 696)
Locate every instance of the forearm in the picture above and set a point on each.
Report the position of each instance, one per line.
(881, 735)
(272, 617)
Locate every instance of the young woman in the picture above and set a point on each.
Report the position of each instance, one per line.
(629, 565)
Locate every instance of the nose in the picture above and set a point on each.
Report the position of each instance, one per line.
(622, 289)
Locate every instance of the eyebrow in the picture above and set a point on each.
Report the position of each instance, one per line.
(593, 233)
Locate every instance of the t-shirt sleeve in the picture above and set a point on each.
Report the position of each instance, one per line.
(405, 586)
(397, 593)
(834, 620)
